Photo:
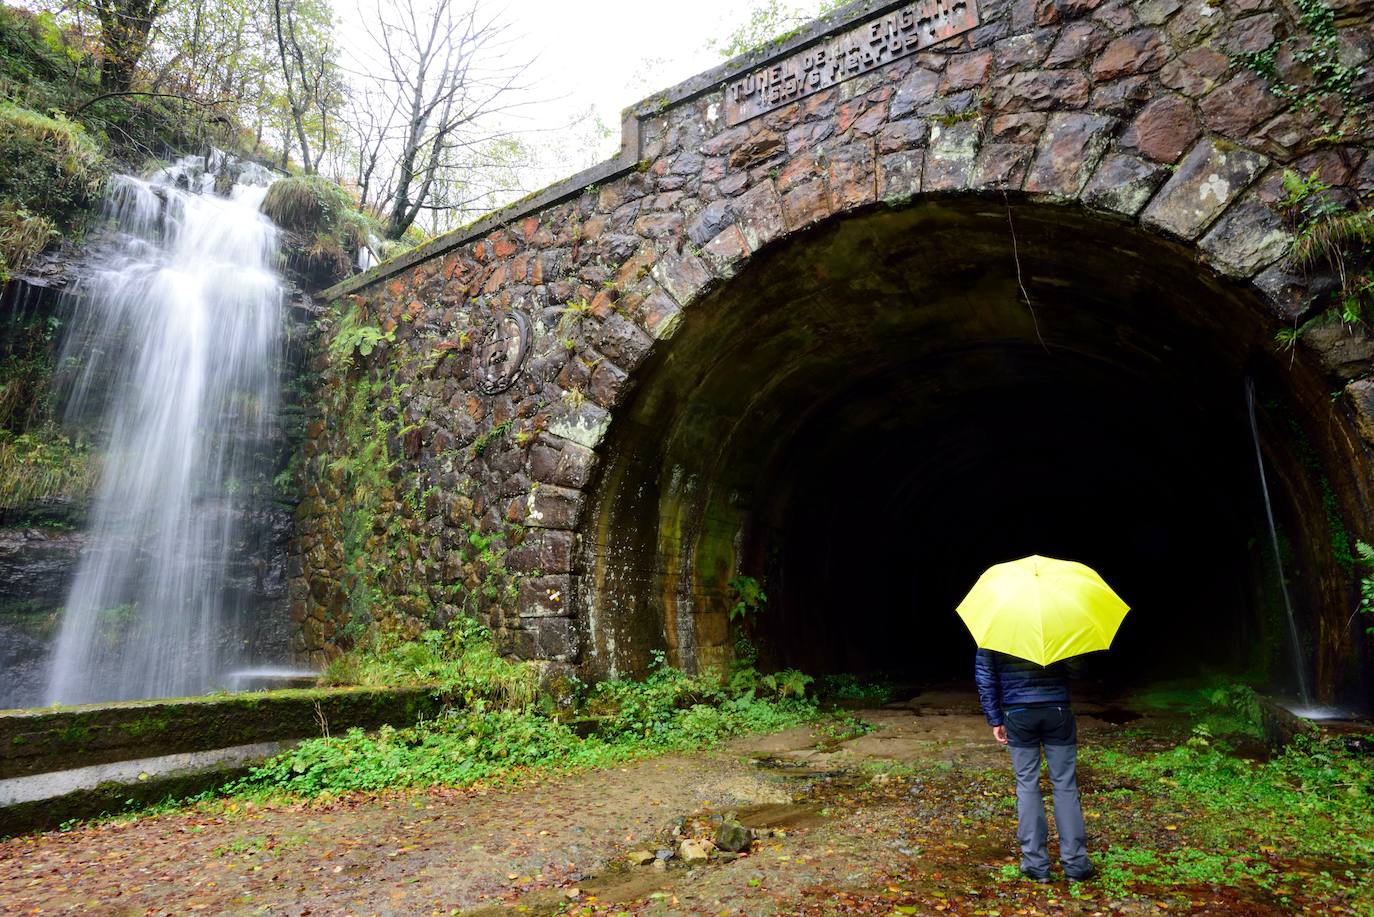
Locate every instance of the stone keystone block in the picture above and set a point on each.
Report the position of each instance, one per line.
(1123, 184)
(684, 275)
(1072, 144)
(953, 150)
(758, 213)
(1207, 181)
(899, 175)
(1248, 237)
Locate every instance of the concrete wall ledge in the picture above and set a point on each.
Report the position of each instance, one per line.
(48, 739)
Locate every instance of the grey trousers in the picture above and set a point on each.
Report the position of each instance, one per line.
(1032, 830)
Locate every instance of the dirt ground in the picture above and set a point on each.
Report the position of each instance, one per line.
(916, 817)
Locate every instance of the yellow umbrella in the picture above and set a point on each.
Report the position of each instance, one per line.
(1042, 609)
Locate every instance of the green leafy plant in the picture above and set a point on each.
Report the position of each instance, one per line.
(1364, 558)
(1328, 232)
(749, 597)
(356, 337)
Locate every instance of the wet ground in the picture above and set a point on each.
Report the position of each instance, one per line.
(916, 817)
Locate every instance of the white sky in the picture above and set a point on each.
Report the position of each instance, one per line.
(601, 56)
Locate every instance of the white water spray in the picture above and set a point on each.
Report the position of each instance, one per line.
(175, 343)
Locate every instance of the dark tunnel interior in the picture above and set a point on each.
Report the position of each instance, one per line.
(871, 414)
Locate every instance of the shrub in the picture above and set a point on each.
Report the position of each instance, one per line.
(48, 165)
(326, 227)
(42, 466)
(22, 236)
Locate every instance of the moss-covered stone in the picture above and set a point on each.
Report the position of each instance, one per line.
(42, 740)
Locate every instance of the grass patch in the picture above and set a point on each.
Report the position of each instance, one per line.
(504, 728)
(42, 466)
(326, 221)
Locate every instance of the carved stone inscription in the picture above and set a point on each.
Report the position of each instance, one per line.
(497, 359)
(881, 40)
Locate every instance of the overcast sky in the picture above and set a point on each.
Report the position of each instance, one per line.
(600, 56)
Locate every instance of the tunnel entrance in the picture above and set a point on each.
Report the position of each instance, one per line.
(874, 412)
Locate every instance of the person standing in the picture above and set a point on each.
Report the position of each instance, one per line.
(1027, 706)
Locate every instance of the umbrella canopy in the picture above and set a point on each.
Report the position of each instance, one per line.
(1042, 609)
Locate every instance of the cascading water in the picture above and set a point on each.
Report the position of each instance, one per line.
(174, 353)
(1299, 666)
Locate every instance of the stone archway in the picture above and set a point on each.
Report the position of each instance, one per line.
(870, 413)
(1131, 131)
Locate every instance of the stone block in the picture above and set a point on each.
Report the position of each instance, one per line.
(1024, 127)
(1288, 292)
(1361, 395)
(950, 158)
(1123, 184)
(552, 507)
(1072, 144)
(1002, 165)
(899, 175)
(660, 315)
(584, 423)
(915, 90)
(1141, 51)
(851, 175)
(1077, 43)
(709, 223)
(758, 213)
(544, 596)
(1345, 351)
(1040, 90)
(623, 341)
(903, 135)
(1238, 105)
(1247, 237)
(554, 638)
(545, 550)
(1210, 177)
(726, 251)
(806, 203)
(683, 275)
(1195, 72)
(966, 71)
(1164, 130)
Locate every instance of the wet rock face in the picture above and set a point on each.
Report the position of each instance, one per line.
(37, 566)
(1134, 110)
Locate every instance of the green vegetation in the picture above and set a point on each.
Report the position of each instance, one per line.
(43, 466)
(327, 221)
(1316, 48)
(749, 597)
(50, 171)
(1365, 560)
(497, 735)
(1311, 802)
(1328, 233)
(353, 335)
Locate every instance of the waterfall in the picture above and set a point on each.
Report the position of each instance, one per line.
(172, 355)
(1299, 666)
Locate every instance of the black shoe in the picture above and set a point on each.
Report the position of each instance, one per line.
(1083, 876)
(1042, 878)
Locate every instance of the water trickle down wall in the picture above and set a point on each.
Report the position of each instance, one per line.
(172, 356)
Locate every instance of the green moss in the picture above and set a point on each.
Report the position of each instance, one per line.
(146, 726)
(48, 165)
(326, 221)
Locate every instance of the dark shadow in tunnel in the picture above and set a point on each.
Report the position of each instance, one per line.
(872, 413)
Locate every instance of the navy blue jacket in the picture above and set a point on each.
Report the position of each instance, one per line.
(1006, 681)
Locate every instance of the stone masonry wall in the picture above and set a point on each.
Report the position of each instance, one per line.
(425, 496)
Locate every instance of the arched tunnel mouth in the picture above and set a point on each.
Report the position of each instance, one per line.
(875, 411)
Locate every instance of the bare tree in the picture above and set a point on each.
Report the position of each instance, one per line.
(447, 73)
(305, 48)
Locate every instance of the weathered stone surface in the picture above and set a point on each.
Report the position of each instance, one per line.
(1068, 152)
(965, 71)
(1346, 351)
(1164, 129)
(899, 175)
(1238, 105)
(1361, 395)
(759, 215)
(1207, 181)
(1248, 237)
(1195, 72)
(1002, 165)
(1123, 184)
(1141, 51)
(1040, 90)
(950, 158)
(684, 275)
(916, 90)
(1077, 43)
